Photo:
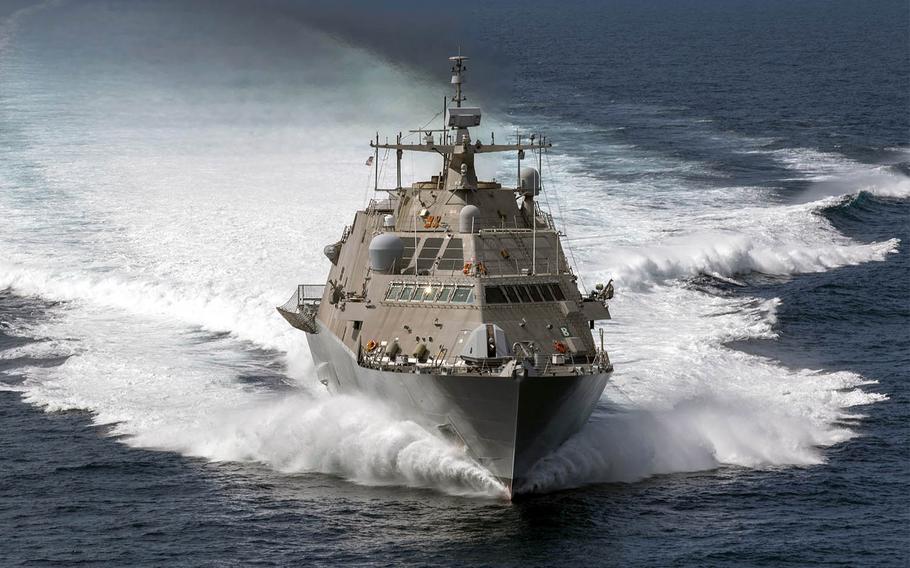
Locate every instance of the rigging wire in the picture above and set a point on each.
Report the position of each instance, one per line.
(366, 189)
(427, 123)
(381, 165)
(562, 221)
(545, 193)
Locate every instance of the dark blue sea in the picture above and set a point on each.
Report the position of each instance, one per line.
(169, 171)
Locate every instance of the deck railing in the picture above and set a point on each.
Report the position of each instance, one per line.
(442, 365)
(300, 309)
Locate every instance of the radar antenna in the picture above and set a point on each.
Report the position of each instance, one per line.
(458, 70)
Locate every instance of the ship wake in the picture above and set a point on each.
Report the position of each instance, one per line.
(162, 241)
(348, 436)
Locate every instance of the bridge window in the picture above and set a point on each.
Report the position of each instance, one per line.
(446, 293)
(394, 292)
(422, 293)
(463, 295)
(523, 293)
(557, 292)
(546, 293)
(494, 295)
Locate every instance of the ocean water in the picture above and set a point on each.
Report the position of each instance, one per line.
(170, 171)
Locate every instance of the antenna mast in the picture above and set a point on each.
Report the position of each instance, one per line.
(458, 70)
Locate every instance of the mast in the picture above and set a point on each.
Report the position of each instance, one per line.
(533, 222)
(454, 144)
(442, 139)
(398, 153)
(376, 165)
(518, 168)
(458, 70)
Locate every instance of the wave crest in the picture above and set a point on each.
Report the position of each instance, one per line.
(727, 255)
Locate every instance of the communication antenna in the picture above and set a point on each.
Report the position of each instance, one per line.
(458, 70)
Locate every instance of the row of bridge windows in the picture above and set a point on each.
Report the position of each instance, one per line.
(464, 294)
(523, 293)
(449, 293)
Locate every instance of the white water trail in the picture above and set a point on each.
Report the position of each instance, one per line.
(166, 237)
(679, 399)
(833, 175)
(349, 436)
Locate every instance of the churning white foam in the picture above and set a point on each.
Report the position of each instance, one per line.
(162, 386)
(725, 254)
(680, 400)
(349, 436)
(166, 248)
(833, 175)
(196, 206)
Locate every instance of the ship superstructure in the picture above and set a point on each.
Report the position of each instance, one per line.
(453, 301)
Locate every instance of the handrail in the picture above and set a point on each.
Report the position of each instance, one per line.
(301, 308)
(375, 361)
(310, 293)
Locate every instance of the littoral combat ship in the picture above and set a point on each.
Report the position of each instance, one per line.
(452, 300)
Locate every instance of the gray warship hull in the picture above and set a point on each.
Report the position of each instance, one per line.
(506, 424)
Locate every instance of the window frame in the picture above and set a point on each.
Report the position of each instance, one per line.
(496, 290)
(411, 289)
(557, 291)
(545, 292)
(446, 287)
(396, 287)
(468, 299)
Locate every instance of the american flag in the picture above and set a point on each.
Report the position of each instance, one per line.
(370, 161)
